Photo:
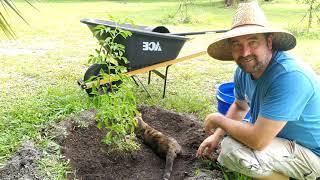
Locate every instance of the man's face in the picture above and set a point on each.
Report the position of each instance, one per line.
(252, 52)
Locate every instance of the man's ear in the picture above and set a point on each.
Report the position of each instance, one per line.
(269, 41)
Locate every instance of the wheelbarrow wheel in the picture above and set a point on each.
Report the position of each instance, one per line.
(95, 70)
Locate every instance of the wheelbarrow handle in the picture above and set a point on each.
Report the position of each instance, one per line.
(200, 32)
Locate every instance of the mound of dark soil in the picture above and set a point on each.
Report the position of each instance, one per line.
(89, 160)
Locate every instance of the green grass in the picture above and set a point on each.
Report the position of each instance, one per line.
(38, 87)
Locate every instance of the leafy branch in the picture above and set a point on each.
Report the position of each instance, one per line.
(313, 10)
(117, 108)
(8, 5)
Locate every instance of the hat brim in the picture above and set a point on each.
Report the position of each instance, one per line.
(220, 49)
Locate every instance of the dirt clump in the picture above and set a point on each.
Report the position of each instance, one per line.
(22, 165)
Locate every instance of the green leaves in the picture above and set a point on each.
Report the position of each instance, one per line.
(109, 52)
(4, 25)
(116, 109)
(116, 112)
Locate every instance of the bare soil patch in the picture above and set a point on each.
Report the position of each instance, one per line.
(23, 164)
(89, 158)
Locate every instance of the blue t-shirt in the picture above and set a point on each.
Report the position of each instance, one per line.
(286, 91)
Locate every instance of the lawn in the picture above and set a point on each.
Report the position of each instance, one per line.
(39, 69)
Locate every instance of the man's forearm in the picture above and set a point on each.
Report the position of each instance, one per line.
(236, 112)
(219, 133)
(233, 125)
(243, 132)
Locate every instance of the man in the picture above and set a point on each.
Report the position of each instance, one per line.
(283, 97)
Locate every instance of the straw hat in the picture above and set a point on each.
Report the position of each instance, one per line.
(249, 19)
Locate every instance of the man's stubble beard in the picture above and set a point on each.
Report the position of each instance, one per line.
(258, 64)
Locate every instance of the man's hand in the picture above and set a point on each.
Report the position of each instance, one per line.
(210, 122)
(208, 145)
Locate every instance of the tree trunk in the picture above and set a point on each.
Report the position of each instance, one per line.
(228, 3)
(310, 15)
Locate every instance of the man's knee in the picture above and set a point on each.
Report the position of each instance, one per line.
(237, 157)
(281, 155)
(228, 144)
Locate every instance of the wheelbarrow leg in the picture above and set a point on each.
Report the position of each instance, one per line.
(164, 77)
(145, 89)
(165, 82)
(149, 77)
(134, 80)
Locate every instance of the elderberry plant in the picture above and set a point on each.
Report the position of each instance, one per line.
(115, 102)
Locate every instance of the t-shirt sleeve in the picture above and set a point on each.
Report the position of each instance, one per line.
(238, 92)
(287, 97)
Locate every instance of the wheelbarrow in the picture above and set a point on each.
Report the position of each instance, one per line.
(147, 49)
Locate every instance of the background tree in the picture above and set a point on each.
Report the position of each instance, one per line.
(229, 3)
(183, 10)
(312, 11)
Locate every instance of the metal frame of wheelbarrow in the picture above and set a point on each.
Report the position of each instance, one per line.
(141, 61)
(148, 69)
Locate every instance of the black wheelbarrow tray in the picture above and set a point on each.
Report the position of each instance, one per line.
(147, 49)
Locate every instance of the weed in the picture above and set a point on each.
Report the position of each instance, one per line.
(227, 174)
(52, 165)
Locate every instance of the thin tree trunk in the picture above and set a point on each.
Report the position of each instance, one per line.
(228, 3)
(310, 15)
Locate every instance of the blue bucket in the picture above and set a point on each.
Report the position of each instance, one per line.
(225, 97)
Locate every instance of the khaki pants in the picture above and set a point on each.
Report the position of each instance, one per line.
(282, 155)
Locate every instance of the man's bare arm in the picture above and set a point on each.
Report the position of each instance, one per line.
(237, 111)
(256, 136)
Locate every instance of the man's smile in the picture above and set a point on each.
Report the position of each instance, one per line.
(246, 59)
